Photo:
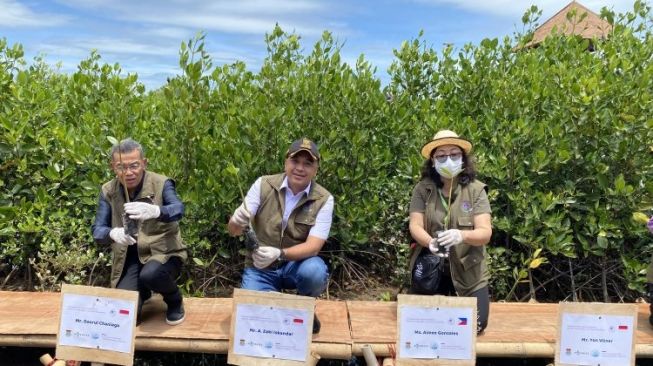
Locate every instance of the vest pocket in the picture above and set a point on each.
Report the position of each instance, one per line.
(305, 219)
(473, 258)
(465, 223)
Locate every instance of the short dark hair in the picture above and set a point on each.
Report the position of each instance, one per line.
(126, 146)
(464, 178)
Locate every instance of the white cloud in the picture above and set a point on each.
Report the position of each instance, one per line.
(82, 47)
(267, 6)
(243, 17)
(176, 33)
(15, 14)
(511, 8)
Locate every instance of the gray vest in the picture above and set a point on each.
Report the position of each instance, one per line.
(469, 270)
(267, 221)
(157, 240)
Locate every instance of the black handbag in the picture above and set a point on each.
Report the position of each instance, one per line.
(427, 273)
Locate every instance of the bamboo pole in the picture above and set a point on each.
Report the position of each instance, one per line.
(370, 358)
(313, 359)
(491, 349)
(324, 350)
(47, 360)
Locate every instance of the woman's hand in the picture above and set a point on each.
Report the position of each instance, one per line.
(449, 238)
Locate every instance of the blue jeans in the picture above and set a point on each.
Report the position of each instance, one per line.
(309, 276)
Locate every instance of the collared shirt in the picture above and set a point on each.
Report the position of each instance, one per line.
(322, 220)
(172, 210)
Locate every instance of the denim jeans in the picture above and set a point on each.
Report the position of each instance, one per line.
(309, 276)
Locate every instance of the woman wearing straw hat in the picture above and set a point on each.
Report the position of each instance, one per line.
(450, 217)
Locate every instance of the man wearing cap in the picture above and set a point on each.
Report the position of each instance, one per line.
(291, 215)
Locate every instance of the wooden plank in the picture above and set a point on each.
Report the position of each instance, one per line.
(515, 329)
(373, 321)
(39, 311)
(31, 321)
(335, 322)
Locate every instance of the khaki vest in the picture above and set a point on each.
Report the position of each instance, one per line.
(468, 266)
(156, 239)
(267, 221)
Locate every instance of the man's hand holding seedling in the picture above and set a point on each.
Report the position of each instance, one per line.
(142, 211)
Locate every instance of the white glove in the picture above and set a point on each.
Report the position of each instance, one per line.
(117, 234)
(241, 216)
(264, 256)
(433, 246)
(142, 211)
(449, 238)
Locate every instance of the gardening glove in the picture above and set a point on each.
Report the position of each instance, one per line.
(434, 247)
(650, 225)
(264, 256)
(142, 211)
(449, 238)
(117, 234)
(241, 216)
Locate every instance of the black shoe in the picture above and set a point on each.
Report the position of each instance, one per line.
(139, 312)
(316, 324)
(144, 295)
(175, 313)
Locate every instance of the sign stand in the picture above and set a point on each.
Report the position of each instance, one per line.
(97, 324)
(596, 334)
(436, 330)
(271, 329)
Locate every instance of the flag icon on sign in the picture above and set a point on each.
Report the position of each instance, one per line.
(623, 327)
(298, 321)
(462, 321)
(124, 312)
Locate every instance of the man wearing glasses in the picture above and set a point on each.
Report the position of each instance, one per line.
(142, 227)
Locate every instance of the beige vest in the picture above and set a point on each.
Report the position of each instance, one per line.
(267, 221)
(468, 266)
(157, 240)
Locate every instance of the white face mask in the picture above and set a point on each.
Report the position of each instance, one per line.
(449, 169)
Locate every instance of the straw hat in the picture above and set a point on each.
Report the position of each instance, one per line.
(445, 137)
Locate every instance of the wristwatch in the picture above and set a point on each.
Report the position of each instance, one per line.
(282, 255)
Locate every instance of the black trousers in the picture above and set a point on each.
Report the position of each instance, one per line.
(482, 299)
(151, 277)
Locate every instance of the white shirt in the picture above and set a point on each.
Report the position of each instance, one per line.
(322, 220)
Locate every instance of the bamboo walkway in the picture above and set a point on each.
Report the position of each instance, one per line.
(30, 319)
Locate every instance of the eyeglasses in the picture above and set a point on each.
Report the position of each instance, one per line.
(131, 166)
(443, 158)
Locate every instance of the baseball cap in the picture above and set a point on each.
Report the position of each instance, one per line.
(303, 144)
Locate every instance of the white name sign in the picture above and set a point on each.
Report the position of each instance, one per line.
(436, 332)
(592, 339)
(96, 322)
(271, 332)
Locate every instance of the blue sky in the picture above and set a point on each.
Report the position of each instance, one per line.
(144, 35)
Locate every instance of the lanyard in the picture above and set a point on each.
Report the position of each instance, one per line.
(446, 210)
